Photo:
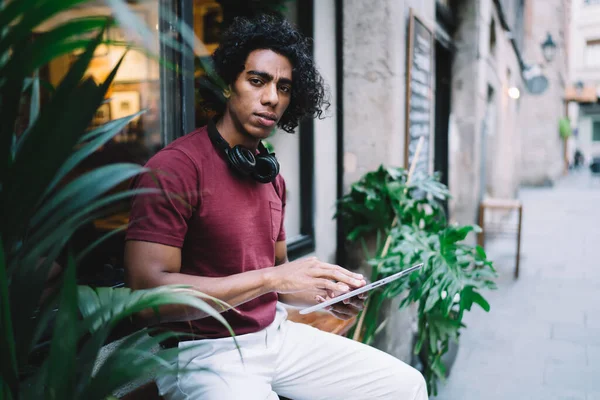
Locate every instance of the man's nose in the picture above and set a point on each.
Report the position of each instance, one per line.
(270, 96)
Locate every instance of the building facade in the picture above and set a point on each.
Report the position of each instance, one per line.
(484, 135)
(399, 72)
(584, 63)
(543, 149)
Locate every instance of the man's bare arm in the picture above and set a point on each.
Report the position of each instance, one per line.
(151, 265)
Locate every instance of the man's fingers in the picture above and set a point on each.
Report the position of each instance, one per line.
(337, 274)
(341, 316)
(354, 302)
(321, 299)
(344, 310)
(344, 271)
(330, 286)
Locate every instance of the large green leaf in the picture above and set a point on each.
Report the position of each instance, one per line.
(103, 308)
(8, 362)
(42, 157)
(66, 116)
(111, 305)
(133, 360)
(61, 366)
(83, 190)
(51, 233)
(92, 141)
(33, 14)
(29, 280)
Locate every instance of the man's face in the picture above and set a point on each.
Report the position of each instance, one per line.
(261, 93)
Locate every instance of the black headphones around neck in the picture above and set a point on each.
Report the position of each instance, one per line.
(262, 167)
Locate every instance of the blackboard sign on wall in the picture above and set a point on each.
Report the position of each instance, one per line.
(419, 94)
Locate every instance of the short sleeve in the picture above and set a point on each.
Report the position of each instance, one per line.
(163, 217)
(280, 189)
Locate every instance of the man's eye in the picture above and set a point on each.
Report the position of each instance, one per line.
(255, 81)
(285, 89)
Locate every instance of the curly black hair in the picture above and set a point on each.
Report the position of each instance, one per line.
(308, 98)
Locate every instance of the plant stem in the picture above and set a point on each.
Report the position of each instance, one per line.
(388, 240)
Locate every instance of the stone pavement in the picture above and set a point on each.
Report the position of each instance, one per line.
(541, 339)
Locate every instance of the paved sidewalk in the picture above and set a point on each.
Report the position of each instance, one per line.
(541, 339)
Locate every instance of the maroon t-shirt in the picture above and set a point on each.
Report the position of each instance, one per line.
(224, 223)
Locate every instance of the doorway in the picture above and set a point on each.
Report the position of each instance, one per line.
(443, 97)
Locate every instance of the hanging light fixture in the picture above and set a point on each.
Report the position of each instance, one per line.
(549, 48)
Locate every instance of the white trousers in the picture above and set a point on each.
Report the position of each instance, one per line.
(292, 360)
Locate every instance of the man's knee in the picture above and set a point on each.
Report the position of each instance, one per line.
(420, 386)
(416, 384)
(409, 382)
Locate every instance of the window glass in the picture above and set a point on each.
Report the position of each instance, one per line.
(136, 87)
(596, 131)
(210, 18)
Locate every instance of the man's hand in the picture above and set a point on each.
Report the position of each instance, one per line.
(312, 275)
(345, 309)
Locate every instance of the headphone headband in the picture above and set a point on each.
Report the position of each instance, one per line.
(262, 167)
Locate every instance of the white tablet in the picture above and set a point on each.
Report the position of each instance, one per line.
(360, 290)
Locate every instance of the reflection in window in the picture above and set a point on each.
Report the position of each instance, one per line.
(135, 88)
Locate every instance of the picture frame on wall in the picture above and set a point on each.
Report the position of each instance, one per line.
(102, 115)
(123, 104)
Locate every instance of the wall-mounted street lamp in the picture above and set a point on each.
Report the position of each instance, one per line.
(549, 48)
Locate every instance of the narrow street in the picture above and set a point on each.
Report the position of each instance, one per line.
(541, 339)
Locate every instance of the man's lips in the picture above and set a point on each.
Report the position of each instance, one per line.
(266, 118)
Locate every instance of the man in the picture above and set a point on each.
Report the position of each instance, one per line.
(222, 232)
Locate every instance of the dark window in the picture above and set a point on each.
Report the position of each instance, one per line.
(493, 38)
(596, 131)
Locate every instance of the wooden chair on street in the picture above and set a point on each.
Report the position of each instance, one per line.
(509, 205)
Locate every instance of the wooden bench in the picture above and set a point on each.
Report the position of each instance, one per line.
(320, 320)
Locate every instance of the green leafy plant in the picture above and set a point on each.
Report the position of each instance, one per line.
(51, 329)
(410, 214)
(564, 128)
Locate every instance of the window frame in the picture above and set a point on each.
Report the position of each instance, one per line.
(178, 116)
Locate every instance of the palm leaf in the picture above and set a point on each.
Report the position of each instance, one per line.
(8, 363)
(67, 116)
(60, 367)
(27, 183)
(42, 11)
(83, 190)
(111, 305)
(97, 138)
(133, 360)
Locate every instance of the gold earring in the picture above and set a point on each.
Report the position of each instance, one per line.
(227, 93)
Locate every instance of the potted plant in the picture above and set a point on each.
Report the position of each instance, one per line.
(409, 222)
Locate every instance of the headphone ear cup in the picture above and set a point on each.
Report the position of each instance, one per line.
(242, 160)
(267, 168)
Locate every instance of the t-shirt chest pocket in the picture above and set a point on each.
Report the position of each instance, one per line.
(275, 219)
